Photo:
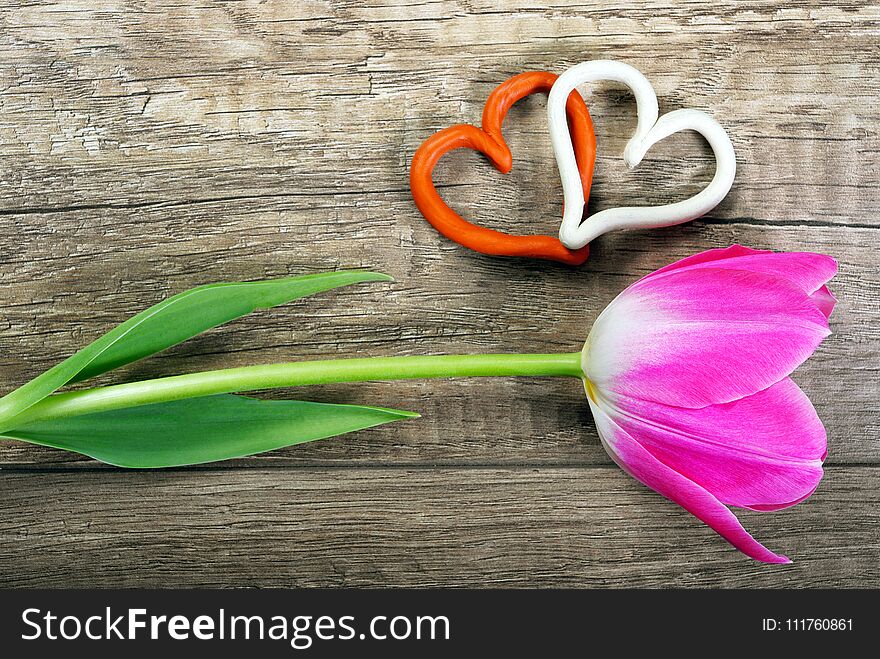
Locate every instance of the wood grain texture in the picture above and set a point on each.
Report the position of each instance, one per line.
(576, 527)
(149, 147)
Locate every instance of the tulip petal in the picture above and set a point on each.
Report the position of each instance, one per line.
(824, 300)
(701, 336)
(762, 452)
(807, 270)
(644, 467)
(769, 508)
(710, 256)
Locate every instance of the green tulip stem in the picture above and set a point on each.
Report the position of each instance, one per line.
(293, 374)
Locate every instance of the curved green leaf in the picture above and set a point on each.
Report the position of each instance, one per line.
(170, 322)
(198, 430)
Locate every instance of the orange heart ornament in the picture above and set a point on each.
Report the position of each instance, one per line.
(489, 141)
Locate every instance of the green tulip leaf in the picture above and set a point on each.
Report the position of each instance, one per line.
(199, 430)
(170, 322)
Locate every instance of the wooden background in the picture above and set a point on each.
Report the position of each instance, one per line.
(148, 148)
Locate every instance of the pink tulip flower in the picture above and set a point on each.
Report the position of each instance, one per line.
(686, 372)
(687, 378)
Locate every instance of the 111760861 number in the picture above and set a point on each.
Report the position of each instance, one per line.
(808, 624)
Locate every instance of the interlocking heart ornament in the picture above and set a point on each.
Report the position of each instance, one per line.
(490, 142)
(575, 164)
(649, 131)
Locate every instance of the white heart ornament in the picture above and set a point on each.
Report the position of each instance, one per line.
(574, 233)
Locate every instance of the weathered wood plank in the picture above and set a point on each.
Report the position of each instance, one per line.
(274, 99)
(412, 527)
(454, 301)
